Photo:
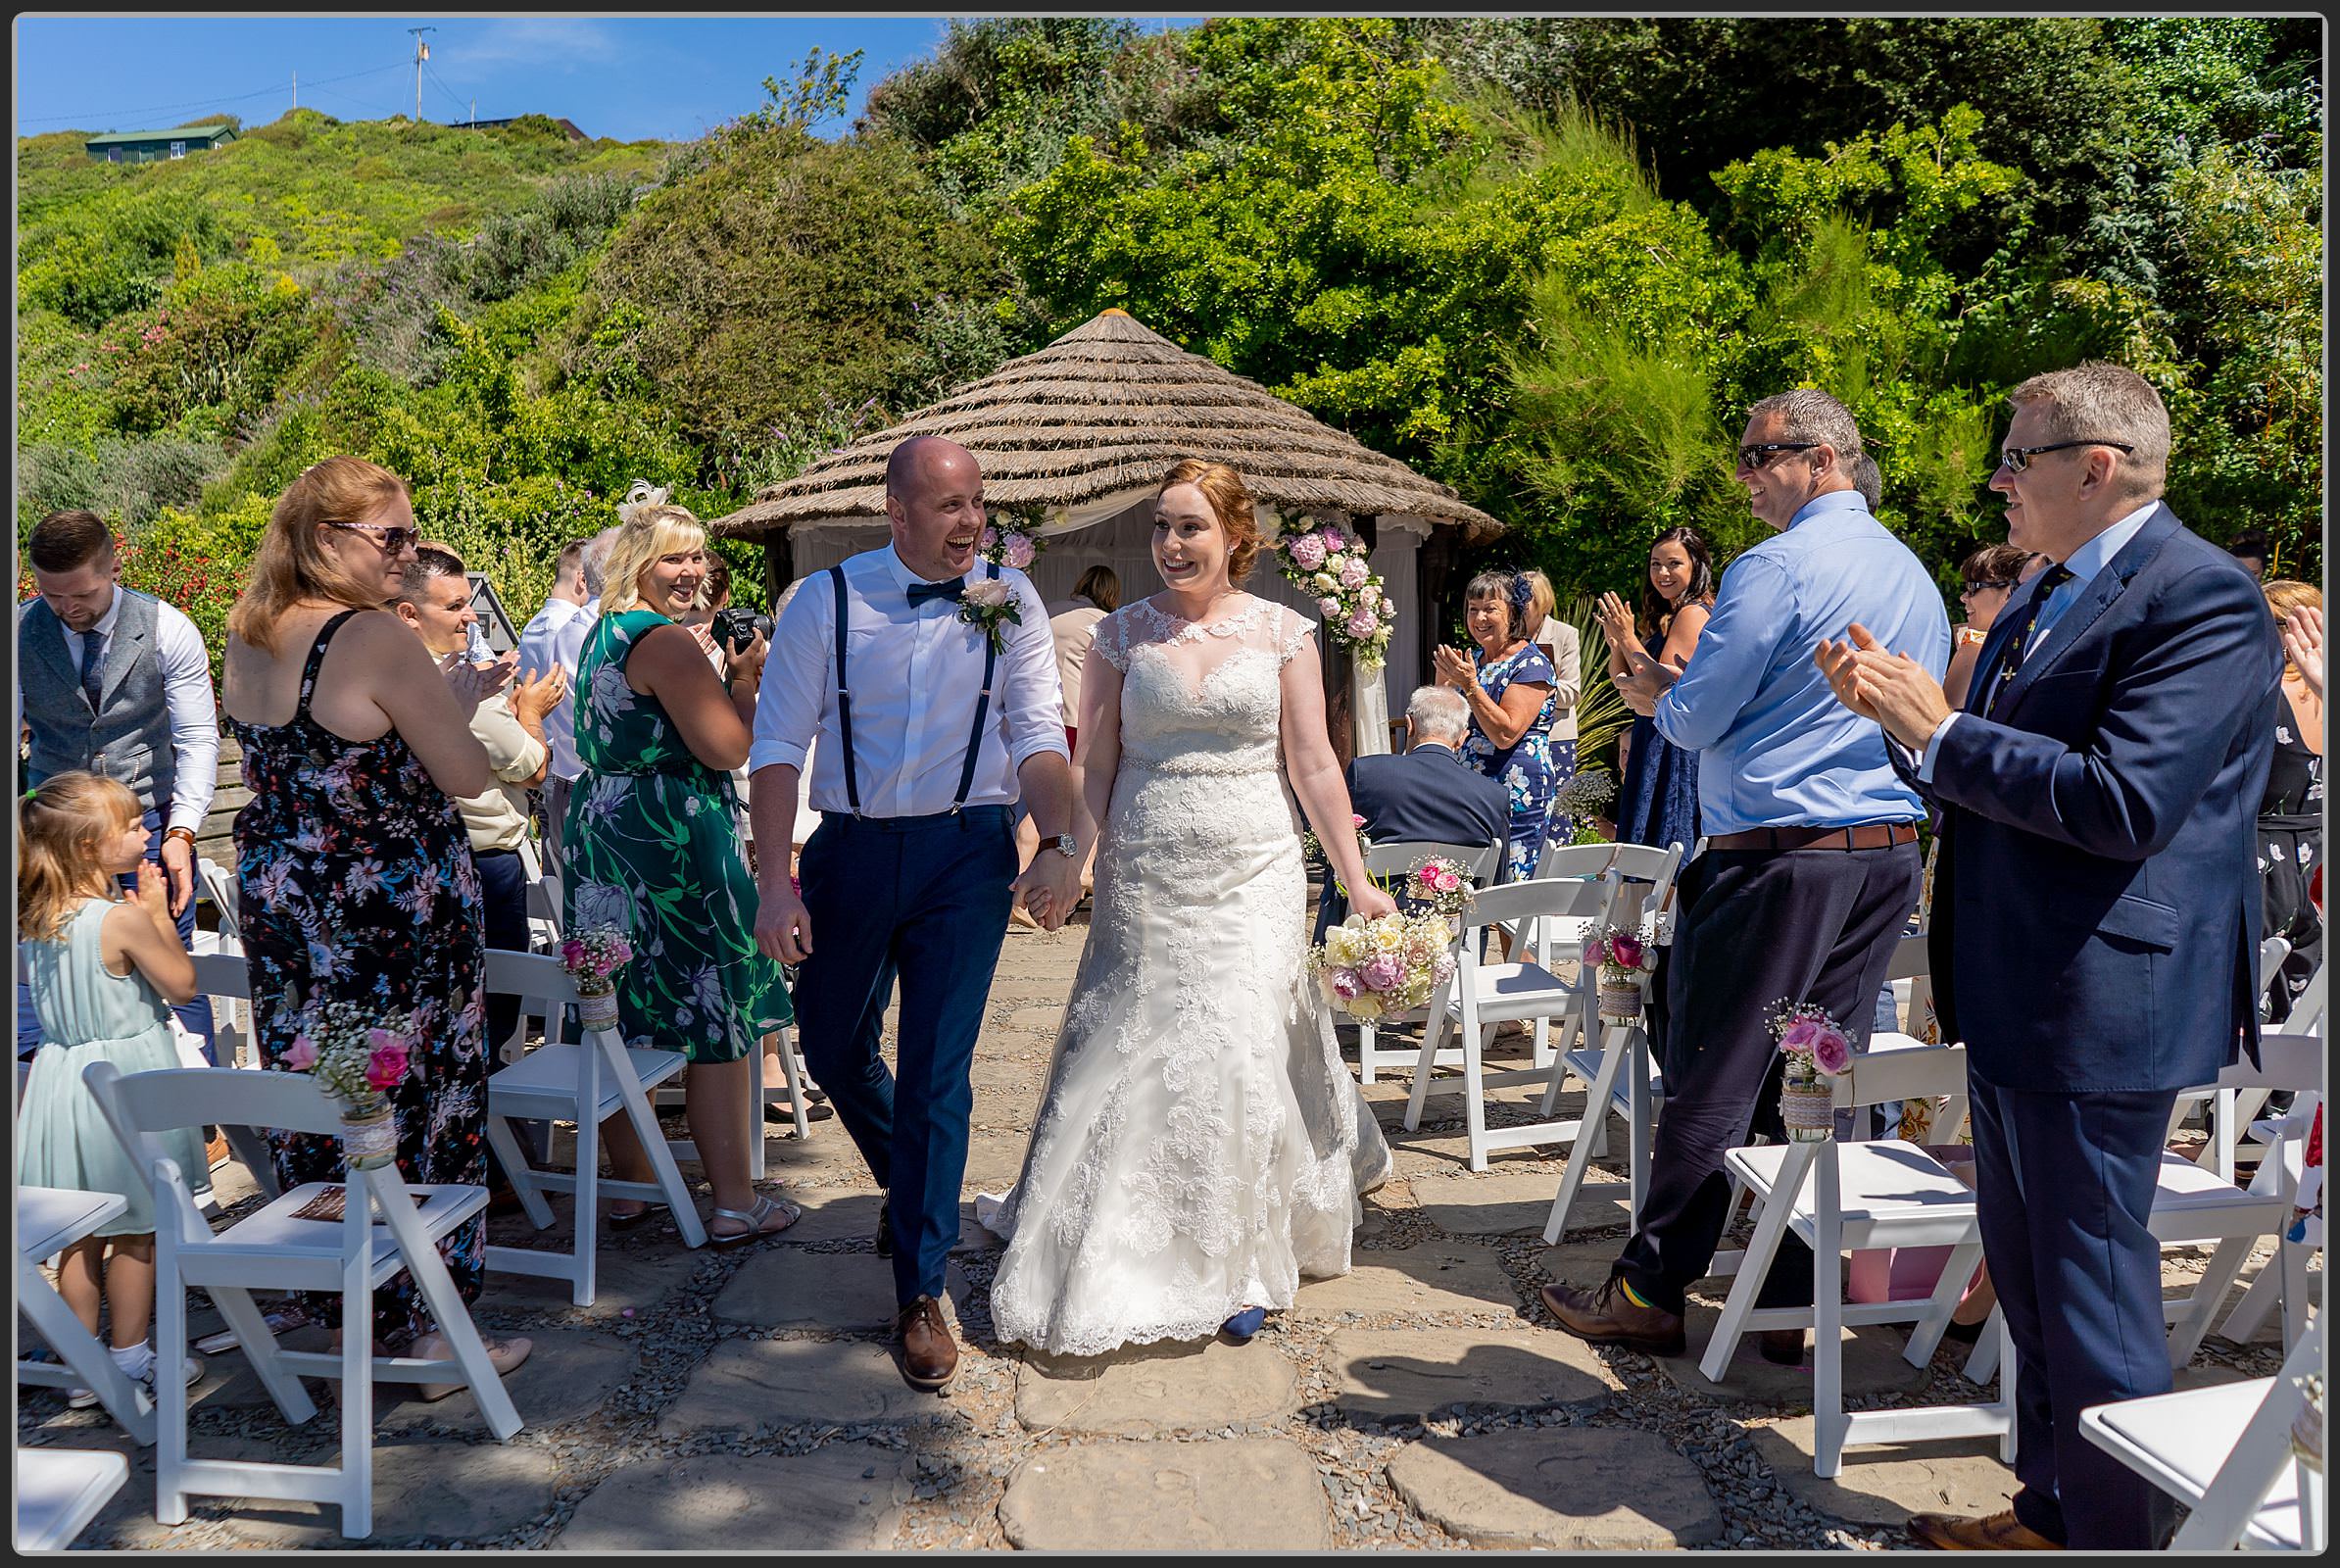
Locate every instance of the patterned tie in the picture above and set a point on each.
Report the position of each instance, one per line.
(93, 656)
(2011, 657)
(921, 592)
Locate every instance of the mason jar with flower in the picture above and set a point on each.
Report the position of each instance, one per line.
(1623, 959)
(1817, 1052)
(593, 957)
(357, 1058)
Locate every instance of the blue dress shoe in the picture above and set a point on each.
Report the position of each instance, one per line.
(1245, 1323)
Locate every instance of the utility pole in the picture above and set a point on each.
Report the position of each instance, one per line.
(421, 53)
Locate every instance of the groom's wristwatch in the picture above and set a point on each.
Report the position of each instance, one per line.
(1066, 845)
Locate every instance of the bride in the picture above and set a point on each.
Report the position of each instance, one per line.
(1200, 1144)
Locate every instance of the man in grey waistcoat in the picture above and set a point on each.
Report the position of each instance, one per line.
(115, 681)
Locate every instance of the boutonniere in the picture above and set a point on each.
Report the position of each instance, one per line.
(989, 603)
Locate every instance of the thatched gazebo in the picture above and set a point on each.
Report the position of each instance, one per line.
(1079, 434)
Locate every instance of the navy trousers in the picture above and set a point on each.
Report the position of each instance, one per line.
(923, 899)
(1758, 927)
(2064, 1186)
(196, 1014)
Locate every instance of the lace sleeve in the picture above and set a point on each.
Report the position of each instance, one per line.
(1113, 640)
(1296, 628)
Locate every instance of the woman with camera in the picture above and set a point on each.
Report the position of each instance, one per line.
(652, 848)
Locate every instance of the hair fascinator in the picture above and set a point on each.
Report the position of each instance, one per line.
(640, 500)
(1520, 593)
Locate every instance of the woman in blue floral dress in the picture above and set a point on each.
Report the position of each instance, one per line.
(1508, 683)
(355, 878)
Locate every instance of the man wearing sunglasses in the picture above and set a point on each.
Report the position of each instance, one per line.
(1811, 866)
(2095, 913)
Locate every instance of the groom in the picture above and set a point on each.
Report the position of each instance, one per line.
(931, 727)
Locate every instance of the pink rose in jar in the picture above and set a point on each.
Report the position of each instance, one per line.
(1020, 551)
(387, 1068)
(301, 1056)
(1629, 950)
(1353, 572)
(1800, 1035)
(1307, 552)
(1831, 1052)
(1596, 949)
(1383, 971)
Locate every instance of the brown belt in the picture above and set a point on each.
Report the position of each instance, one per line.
(1867, 836)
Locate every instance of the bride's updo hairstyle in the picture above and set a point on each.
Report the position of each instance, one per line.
(1230, 503)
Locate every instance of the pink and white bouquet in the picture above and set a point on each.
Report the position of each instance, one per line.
(1622, 957)
(1440, 886)
(1817, 1049)
(1328, 563)
(356, 1057)
(1372, 968)
(1012, 541)
(593, 956)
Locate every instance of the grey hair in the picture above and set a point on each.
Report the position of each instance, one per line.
(597, 559)
(2098, 400)
(1868, 481)
(1437, 712)
(1807, 413)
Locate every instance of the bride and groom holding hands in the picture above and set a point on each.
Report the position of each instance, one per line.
(1200, 1145)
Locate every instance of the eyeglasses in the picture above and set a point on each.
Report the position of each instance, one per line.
(1761, 456)
(393, 541)
(1985, 585)
(2014, 460)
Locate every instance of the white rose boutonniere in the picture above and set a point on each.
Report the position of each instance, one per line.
(990, 603)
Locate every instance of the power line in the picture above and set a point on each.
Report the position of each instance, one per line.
(93, 116)
(443, 88)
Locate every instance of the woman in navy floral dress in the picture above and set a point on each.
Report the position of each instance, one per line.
(354, 875)
(1508, 683)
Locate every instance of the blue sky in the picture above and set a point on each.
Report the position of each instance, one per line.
(631, 77)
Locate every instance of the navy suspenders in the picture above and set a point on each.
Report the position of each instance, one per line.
(844, 701)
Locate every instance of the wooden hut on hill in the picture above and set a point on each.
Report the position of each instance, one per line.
(1079, 434)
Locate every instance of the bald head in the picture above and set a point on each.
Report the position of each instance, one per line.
(933, 500)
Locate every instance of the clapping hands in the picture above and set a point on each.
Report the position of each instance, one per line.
(1893, 689)
(1453, 667)
(1615, 621)
(535, 696)
(2303, 645)
(473, 684)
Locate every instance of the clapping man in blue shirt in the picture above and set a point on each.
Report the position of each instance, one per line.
(1811, 866)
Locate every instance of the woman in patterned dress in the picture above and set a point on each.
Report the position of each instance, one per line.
(1508, 683)
(652, 846)
(354, 875)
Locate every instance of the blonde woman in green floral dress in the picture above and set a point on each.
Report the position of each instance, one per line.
(652, 846)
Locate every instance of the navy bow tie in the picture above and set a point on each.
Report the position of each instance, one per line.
(921, 592)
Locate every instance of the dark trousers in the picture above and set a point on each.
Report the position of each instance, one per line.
(923, 899)
(503, 894)
(195, 1014)
(2065, 1185)
(1757, 927)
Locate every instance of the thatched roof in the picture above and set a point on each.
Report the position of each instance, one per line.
(1102, 412)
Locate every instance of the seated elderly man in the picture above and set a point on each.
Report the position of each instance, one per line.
(1425, 796)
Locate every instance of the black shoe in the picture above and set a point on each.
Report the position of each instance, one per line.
(885, 1235)
(1966, 1333)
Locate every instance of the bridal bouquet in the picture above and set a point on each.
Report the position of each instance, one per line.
(358, 1059)
(1622, 958)
(1440, 886)
(1327, 563)
(1371, 968)
(1816, 1050)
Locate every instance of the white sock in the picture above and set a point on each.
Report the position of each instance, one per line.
(135, 1360)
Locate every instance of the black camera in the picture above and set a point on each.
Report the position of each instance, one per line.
(735, 628)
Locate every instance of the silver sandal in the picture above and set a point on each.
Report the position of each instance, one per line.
(754, 1219)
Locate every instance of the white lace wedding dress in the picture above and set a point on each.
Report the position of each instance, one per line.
(1201, 1145)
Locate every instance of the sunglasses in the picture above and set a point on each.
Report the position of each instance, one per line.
(393, 541)
(2014, 460)
(1761, 456)
(1985, 586)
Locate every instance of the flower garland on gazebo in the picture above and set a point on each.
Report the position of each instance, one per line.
(1327, 563)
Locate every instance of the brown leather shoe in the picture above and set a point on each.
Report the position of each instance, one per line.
(1998, 1532)
(1608, 1316)
(929, 1355)
(1781, 1346)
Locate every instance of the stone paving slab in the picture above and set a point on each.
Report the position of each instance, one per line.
(845, 1496)
(1884, 1486)
(747, 1385)
(1502, 1202)
(1427, 1278)
(1245, 1493)
(1872, 1364)
(844, 1292)
(1577, 1489)
(1402, 1374)
(423, 1490)
(635, 1281)
(570, 1372)
(1156, 1388)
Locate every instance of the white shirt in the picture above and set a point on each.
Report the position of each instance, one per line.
(555, 635)
(496, 818)
(915, 676)
(2084, 563)
(186, 698)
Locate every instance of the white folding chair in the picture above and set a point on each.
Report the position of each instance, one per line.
(544, 897)
(219, 886)
(386, 1227)
(1837, 1197)
(2284, 1278)
(2191, 1204)
(586, 1084)
(50, 1219)
(1483, 995)
(59, 1490)
(2226, 1111)
(2225, 1453)
(1482, 864)
(227, 977)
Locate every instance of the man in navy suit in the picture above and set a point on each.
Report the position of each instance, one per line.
(2095, 915)
(1428, 796)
